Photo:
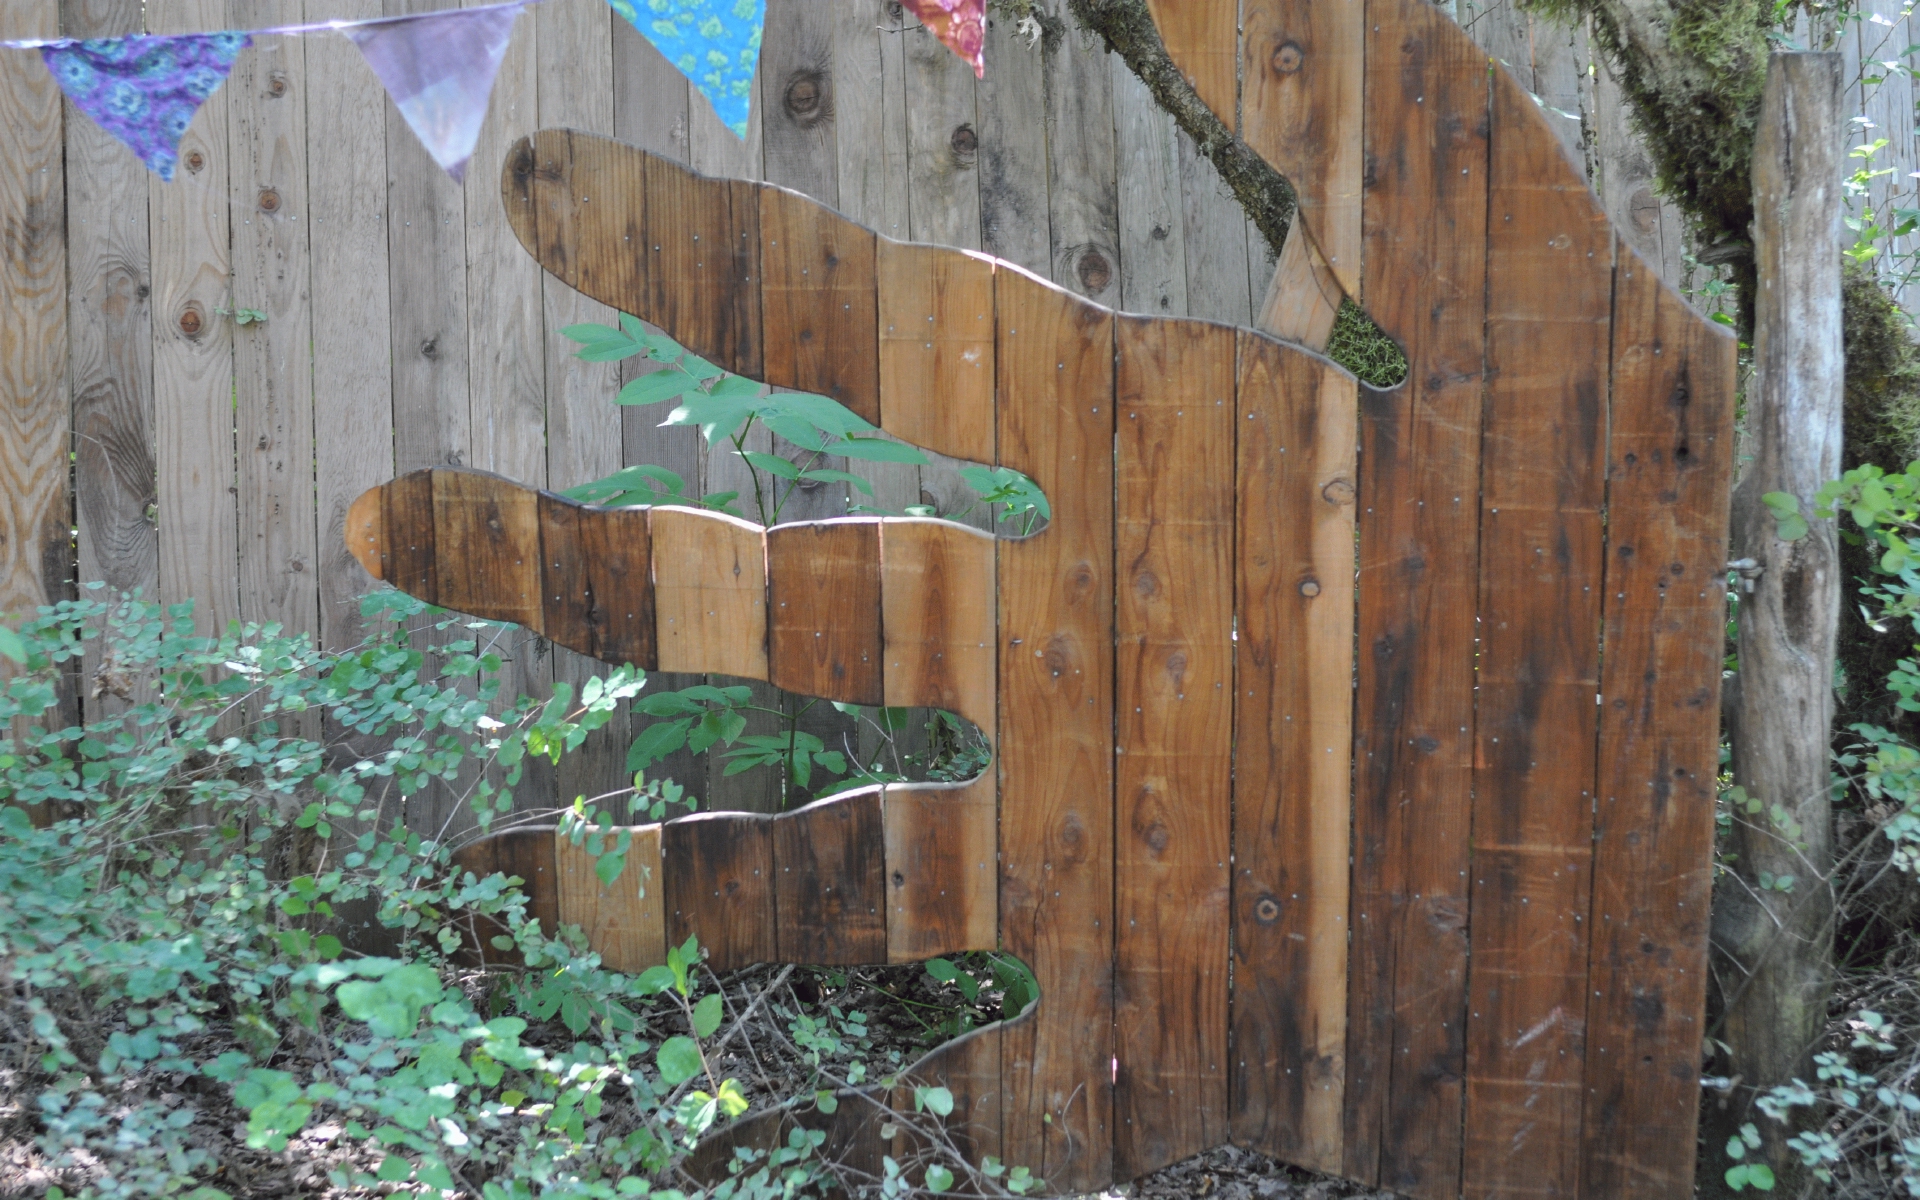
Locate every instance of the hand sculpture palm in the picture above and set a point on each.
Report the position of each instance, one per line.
(1168, 670)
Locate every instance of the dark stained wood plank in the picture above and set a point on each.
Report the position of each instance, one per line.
(1550, 296)
(1054, 358)
(941, 849)
(1203, 41)
(824, 609)
(821, 297)
(486, 536)
(1173, 771)
(709, 592)
(596, 585)
(703, 275)
(1302, 110)
(717, 870)
(409, 542)
(578, 203)
(1293, 715)
(1668, 473)
(937, 602)
(1425, 229)
(624, 922)
(936, 348)
(526, 854)
(830, 881)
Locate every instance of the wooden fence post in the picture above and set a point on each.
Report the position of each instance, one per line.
(1773, 944)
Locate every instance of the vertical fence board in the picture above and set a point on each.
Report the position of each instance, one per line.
(1216, 241)
(266, 98)
(1425, 204)
(1668, 474)
(347, 202)
(1173, 771)
(110, 331)
(1014, 223)
(1083, 184)
(1549, 303)
(1153, 256)
(1055, 364)
(1293, 717)
(193, 354)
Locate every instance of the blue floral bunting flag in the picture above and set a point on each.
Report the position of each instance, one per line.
(715, 43)
(145, 89)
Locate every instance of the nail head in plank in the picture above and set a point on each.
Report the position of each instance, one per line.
(830, 881)
(718, 870)
(936, 348)
(709, 592)
(624, 921)
(937, 597)
(942, 885)
(824, 609)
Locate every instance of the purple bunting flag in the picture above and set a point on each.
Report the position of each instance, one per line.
(144, 89)
(439, 69)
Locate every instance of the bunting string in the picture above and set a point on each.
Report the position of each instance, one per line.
(439, 67)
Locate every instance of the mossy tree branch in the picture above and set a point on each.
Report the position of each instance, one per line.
(1127, 28)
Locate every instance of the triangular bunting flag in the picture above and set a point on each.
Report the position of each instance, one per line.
(715, 43)
(145, 89)
(439, 69)
(961, 24)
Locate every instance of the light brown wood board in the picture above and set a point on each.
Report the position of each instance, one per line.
(1173, 753)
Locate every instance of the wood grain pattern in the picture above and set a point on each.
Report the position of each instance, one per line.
(523, 854)
(1305, 62)
(486, 535)
(1549, 294)
(820, 301)
(1173, 774)
(942, 895)
(937, 602)
(192, 356)
(830, 881)
(1293, 716)
(625, 921)
(37, 516)
(1426, 232)
(969, 1068)
(824, 609)
(1055, 363)
(1153, 252)
(1082, 198)
(1201, 40)
(709, 592)
(596, 585)
(1668, 468)
(936, 348)
(717, 869)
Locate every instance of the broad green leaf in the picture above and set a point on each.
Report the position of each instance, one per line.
(655, 742)
(822, 475)
(679, 1060)
(939, 1178)
(12, 645)
(706, 1015)
(654, 388)
(772, 464)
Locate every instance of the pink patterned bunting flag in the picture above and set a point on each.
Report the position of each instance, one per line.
(961, 24)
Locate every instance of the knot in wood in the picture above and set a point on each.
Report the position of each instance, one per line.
(276, 85)
(190, 321)
(1266, 910)
(1095, 272)
(805, 99)
(1338, 492)
(1287, 57)
(269, 200)
(195, 162)
(965, 142)
(1310, 588)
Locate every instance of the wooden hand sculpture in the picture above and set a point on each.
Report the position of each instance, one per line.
(1370, 860)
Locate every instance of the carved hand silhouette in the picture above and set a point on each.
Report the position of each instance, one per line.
(1168, 672)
